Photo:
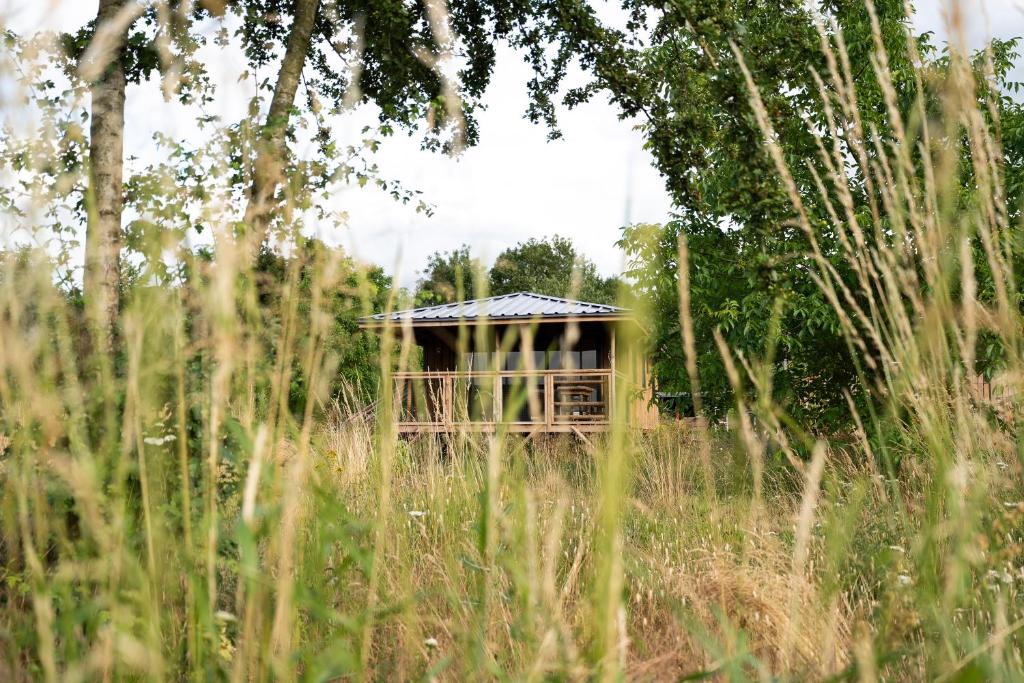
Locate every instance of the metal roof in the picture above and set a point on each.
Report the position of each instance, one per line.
(521, 305)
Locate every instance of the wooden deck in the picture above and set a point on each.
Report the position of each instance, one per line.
(514, 400)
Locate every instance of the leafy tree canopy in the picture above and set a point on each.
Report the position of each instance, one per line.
(354, 353)
(449, 276)
(748, 257)
(388, 52)
(544, 266)
(547, 266)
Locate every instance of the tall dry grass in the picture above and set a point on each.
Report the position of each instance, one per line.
(167, 512)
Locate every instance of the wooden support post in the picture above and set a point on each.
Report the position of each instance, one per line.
(583, 438)
(612, 379)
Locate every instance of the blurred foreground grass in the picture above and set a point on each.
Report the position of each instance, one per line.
(487, 564)
(175, 509)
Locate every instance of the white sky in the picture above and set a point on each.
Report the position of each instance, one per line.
(512, 186)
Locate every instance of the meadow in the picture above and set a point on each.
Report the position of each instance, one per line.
(196, 499)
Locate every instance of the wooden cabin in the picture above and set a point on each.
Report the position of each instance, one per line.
(527, 362)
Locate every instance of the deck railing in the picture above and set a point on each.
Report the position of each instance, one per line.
(540, 399)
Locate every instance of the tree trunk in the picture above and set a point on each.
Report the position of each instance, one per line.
(271, 151)
(106, 196)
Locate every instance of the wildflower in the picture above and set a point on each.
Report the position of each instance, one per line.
(904, 580)
(226, 649)
(430, 642)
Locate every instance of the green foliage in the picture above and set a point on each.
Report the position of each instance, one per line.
(353, 354)
(547, 266)
(544, 266)
(449, 276)
(735, 290)
(49, 160)
(748, 255)
(387, 48)
(156, 45)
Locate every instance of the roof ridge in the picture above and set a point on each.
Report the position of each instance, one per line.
(566, 299)
(449, 303)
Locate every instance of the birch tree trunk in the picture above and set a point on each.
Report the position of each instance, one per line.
(271, 152)
(106, 196)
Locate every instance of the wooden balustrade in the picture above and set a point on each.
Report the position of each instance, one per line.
(519, 400)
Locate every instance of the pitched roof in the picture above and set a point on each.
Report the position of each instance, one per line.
(521, 305)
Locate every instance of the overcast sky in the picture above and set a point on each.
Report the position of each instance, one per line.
(512, 186)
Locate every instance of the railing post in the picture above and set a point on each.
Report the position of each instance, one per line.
(609, 396)
(499, 402)
(398, 399)
(448, 393)
(549, 399)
